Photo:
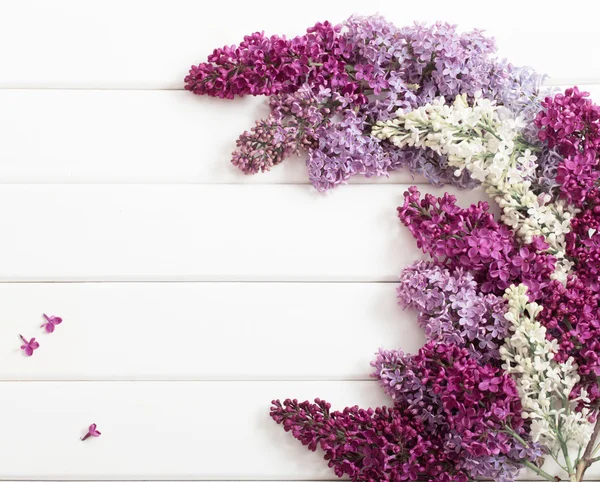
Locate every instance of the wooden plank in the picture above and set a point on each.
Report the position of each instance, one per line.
(160, 430)
(204, 233)
(138, 44)
(99, 136)
(104, 136)
(163, 430)
(202, 331)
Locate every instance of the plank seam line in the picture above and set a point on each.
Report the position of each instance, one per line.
(141, 182)
(196, 281)
(200, 380)
(192, 183)
(558, 83)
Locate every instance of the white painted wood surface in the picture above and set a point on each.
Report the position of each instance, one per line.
(161, 430)
(193, 295)
(202, 331)
(151, 44)
(133, 136)
(204, 233)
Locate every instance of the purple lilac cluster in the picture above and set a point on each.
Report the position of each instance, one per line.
(353, 75)
(262, 65)
(571, 124)
(452, 309)
(471, 239)
(292, 126)
(571, 315)
(369, 445)
(572, 312)
(453, 418)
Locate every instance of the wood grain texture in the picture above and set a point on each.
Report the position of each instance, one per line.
(202, 331)
(107, 136)
(204, 233)
(163, 430)
(151, 44)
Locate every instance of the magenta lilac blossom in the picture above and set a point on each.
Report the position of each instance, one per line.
(362, 444)
(92, 432)
(29, 346)
(571, 124)
(51, 322)
(471, 239)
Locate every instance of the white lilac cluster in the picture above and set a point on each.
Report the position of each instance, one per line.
(544, 384)
(485, 139)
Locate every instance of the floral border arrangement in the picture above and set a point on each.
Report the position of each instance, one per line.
(511, 307)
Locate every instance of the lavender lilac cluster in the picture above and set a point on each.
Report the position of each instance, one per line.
(452, 310)
(329, 86)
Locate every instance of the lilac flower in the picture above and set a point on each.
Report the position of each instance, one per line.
(92, 432)
(384, 444)
(571, 316)
(291, 127)
(29, 346)
(570, 121)
(472, 240)
(490, 384)
(468, 402)
(571, 124)
(51, 322)
(452, 309)
(371, 69)
(263, 65)
(344, 151)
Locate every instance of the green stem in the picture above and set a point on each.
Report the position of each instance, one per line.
(490, 131)
(566, 456)
(539, 471)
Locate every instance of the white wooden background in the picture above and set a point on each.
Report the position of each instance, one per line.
(193, 295)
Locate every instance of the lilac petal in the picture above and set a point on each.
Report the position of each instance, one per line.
(93, 430)
(34, 344)
(27, 349)
(49, 327)
(55, 320)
